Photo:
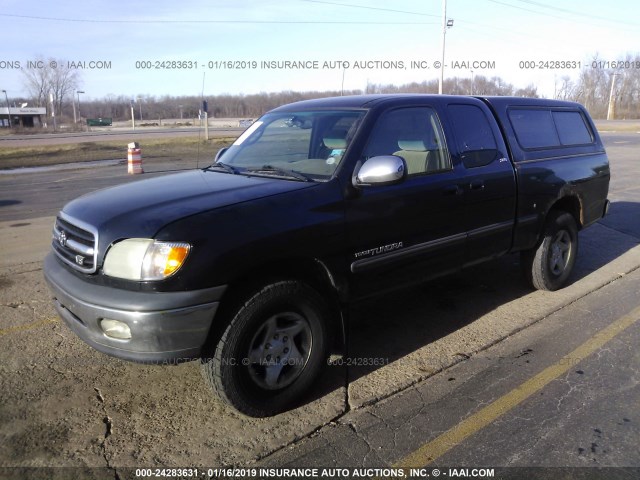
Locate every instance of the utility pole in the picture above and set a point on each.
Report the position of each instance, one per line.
(205, 113)
(444, 35)
(78, 92)
(611, 113)
(53, 110)
(133, 118)
(8, 107)
(446, 23)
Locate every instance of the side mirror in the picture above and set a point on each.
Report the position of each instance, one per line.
(382, 170)
(220, 153)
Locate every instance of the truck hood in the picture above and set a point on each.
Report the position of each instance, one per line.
(142, 208)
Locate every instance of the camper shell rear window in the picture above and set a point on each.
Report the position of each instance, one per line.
(539, 128)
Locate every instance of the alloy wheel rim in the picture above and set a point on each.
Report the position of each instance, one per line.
(560, 252)
(280, 350)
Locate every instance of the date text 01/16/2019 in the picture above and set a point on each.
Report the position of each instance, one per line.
(278, 65)
(577, 64)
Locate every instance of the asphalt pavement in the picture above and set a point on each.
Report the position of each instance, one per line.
(447, 350)
(563, 393)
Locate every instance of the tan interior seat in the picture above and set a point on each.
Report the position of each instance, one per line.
(415, 154)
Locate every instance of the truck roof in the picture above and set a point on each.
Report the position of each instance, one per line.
(499, 102)
(369, 101)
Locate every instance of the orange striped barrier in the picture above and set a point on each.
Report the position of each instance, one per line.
(134, 158)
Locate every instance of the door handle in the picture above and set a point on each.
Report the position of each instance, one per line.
(453, 190)
(477, 185)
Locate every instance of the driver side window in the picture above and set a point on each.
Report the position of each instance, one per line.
(414, 134)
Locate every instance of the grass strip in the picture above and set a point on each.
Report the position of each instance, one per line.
(177, 148)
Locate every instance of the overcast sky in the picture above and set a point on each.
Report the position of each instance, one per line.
(117, 34)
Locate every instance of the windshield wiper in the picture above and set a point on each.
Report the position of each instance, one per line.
(223, 166)
(281, 172)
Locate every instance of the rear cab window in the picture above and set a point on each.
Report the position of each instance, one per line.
(475, 141)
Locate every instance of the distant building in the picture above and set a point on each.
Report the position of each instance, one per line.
(22, 116)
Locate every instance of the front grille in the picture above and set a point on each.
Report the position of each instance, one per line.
(75, 243)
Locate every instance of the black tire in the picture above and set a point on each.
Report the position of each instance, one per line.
(272, 350)
(549, 265)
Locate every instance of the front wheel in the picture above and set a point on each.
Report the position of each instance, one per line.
(271, 351)
(548, 266)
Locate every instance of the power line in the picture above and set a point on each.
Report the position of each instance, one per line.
(527, 9)
(565, 18)
(143, 21)
(370, 8)
(525, 37)
(574, 12)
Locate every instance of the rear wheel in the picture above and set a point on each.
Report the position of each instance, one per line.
(549, 265)
(271, 351)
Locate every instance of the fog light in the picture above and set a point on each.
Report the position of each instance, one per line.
(115, 329)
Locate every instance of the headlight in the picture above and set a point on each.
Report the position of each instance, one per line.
(145, 259)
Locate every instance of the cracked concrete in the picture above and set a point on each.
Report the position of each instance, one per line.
(108, 422)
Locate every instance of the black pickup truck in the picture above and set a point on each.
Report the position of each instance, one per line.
(248, 264)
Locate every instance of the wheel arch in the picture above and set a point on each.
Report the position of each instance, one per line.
(311, 271)
(572, 204)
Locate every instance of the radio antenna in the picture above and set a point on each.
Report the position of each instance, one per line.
(200, 129)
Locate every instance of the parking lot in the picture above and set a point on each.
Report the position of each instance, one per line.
(63, 404)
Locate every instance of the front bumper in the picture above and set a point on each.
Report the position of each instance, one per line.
(165, 326)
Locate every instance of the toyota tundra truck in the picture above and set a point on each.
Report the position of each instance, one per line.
(248, 265)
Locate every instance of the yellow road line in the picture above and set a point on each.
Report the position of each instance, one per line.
(437, 447)
(28, 326)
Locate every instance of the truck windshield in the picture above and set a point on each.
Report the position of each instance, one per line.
(300, 145)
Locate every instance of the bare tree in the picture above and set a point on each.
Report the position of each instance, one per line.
(627, 93)
(530, 91)
(64, 81)
(593, 88)
(51, 77)
(566, 91)
(37, 82)
(254, 105)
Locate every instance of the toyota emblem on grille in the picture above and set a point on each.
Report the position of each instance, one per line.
(62, 238)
